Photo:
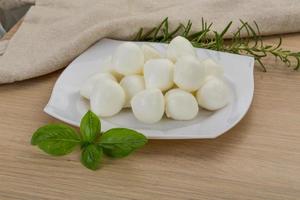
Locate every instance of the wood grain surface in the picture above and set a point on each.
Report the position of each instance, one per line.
(257, 159)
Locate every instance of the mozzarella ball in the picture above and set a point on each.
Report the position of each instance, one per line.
(148, 106)
(132, 85)
(128, 59)
(181, 105)
(179, 47)
(107, 98)
(158, 73)
(189, 73)
(214, 94)
(149, 52)
(89, 84)
(212, 68)
(107, 66)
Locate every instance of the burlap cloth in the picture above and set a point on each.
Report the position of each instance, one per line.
(54, 32)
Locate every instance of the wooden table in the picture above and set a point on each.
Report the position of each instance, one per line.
(257, 159)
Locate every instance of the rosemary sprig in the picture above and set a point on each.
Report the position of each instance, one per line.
(250, 44)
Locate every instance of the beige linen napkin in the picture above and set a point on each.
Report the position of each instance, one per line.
(54, 32)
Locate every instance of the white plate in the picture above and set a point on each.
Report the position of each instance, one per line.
(67, 105)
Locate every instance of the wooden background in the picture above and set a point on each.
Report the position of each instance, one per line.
(257, 159)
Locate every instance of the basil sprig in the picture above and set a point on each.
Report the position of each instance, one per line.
(60, 139)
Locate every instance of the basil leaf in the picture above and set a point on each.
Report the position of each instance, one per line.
(56, 139)
(90, 127)
(120, 142)
(91, 156)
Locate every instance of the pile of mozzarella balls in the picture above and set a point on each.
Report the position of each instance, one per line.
(151, 84)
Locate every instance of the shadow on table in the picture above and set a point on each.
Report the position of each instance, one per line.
(202, 147)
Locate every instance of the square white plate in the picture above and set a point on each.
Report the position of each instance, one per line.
(67, 105)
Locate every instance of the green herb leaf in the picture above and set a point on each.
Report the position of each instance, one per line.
(56, 139)
(245, 40)
(120, 142)
(91, 156)
(90, 127)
